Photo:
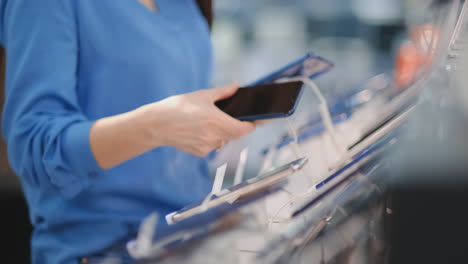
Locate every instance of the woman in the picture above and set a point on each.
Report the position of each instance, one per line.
(106, 116)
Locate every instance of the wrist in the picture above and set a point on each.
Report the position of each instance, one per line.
(147, 124)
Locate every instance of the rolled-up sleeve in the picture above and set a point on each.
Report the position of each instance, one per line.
(45, 128)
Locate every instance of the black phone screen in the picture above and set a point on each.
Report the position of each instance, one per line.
(262, 101)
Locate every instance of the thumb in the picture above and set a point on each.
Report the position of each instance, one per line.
(224, 92)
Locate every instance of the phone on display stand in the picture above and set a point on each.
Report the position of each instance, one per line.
(266, 101)
(311, 66)
(242, 193)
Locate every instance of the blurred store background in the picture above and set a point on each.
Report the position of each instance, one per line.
(252, 38)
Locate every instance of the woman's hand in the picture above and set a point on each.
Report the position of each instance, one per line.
(192, 123)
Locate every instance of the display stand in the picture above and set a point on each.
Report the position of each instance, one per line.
(337, 217)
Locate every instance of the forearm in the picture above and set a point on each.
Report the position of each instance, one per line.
(119, 138)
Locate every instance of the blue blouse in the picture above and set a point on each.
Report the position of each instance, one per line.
(71, 62)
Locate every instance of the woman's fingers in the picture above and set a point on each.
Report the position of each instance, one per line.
(195, 125)
(232, 127)
(217, 94)
(262, 122)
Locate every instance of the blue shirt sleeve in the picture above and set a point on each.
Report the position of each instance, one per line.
(2, 9)
(46, 131)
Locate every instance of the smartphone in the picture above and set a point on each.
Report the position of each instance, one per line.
(264, 101)
(311, 66)
(242, 192)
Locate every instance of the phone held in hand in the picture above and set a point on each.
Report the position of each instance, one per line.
(266, 101)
